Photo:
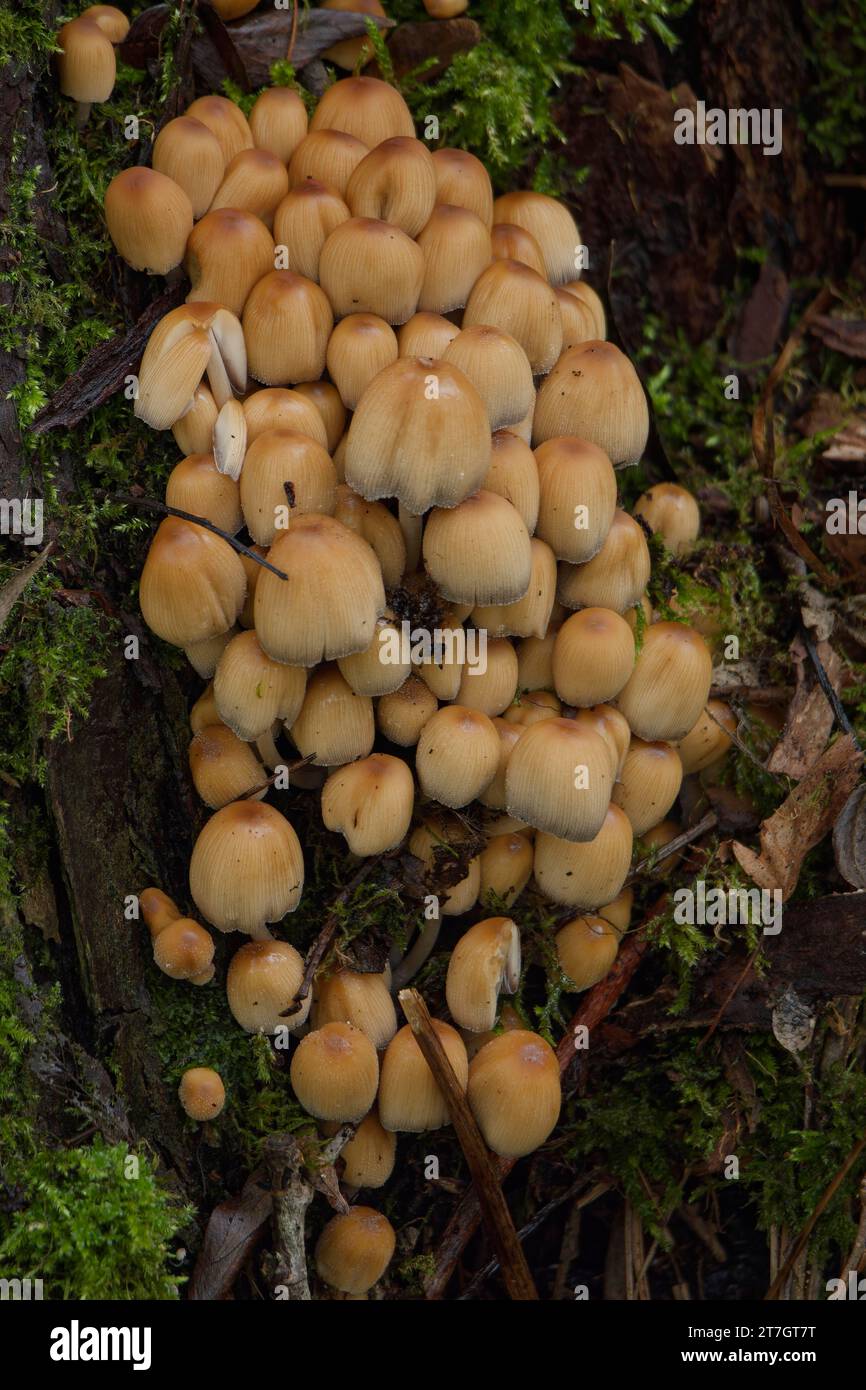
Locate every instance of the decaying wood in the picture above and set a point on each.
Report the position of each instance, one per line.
(298, 1169)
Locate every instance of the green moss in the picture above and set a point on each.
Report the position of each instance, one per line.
(832, 111)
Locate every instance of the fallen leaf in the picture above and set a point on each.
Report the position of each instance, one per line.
(809, 721)
(233, 1229)
(803, 819)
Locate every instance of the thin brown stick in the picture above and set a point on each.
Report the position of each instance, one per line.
(826, 685)
(263, 786)
(494, 1208)
(684, 838)
(151, 505)
(803, 1238)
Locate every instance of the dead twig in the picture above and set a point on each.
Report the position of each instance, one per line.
(826, 685)
(164, 509)
(803, 1238)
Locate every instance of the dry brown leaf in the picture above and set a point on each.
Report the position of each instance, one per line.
(233, 1229)
(810, 717)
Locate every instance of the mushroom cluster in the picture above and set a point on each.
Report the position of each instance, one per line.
(398, 389)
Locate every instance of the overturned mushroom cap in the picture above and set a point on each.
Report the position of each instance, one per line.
(514, 1092)
(354, 1250)
(485, 960)
(186, 343)
(594, 392)
(192, 585)
(335, 1072)
(262, 981)
(149, 219)
(370, 802)
(410, 1100)
(247, 868)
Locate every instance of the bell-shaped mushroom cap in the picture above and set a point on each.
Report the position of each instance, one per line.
(369, 1156)
(326, 398)
(530, 614)
(276, 408)
(193, 431)
(531, 706)
(589, 874)
(671, 512)
(577, 487)
(509, 242)
(327, 157)
(364, 1000)
(586, 948)
(410, 1100)
(426, 335)
(354, 1250)
(579, 324)
(478, 552)
(616, 576)
(194, 485)
(463, 182)
(535, 661)
(263, 979)
(670, 682)
(506, 867)
(553, 227)
(709, 739)
(187, 152)
(592, 302)
(149, 219)
(202, 1093)
(335, 723)
(368, 266)
(203, 656)
(204, 712)
(356, 53)
(335, 1072)
(378, 527)
(255, 181)
(394, 183)
(457, 756)
(511, 296)
(382, 668)
(490, 684)
(192, 584)
(303, 222)
(334, 593)
(251, 690)
(499, 370)
(593, 657)
(247, 868)
(435, 843)
(370, 802)
(183, 949)
(420, 434)
(402, 714)
(613, 728)
(456, 247)
(112, 21)
(618, 912)
(509, 732)
(278, 121)
(287, 321)
(227, 253)
(273, 460)
(595, 393)
(365, 107)
(226, 121)
(560, 779)
(649, 783)
(188, 341)
(485, 960)
(86, 64)
(157, 909)
(513, 474)
(360, 347)
(514, 1092)
(224, 768)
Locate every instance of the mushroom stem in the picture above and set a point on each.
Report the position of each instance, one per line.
(413, 960)
(82, 114)
(411, 526)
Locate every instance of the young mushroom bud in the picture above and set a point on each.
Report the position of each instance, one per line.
(187, 152)
(335, 724)
(394, 183)
(671, 512)
(367, 266)
(499, 370)
(560, 779)
(613, 728)
(506, 868)
(586, 948)
(275, 408)
(364, 1000)
(436, 843)
(86, 65)
(592, 303)
(227, 253)
(485, 960)
(531, 706)
(157, 909)
(535, 661)
(426, 335)
(327, 158)
(247, 868)
(478, 552)
(577, 491)
(462, 181)
(360, 347)
(335, 1072)
(670, 683)
(530, 615)
(278, 121)
(402, 714)
(511, 296)
(593, 657)
(378, 527)
(223, 768)
(354, 1250)
(369, 1156)
(709, 739)
(595, 393)
(494, 795)
(303, 222)
(457, 756)
(514, 1092)
(410, 1100)
(334, 593)
(193, 431)
(251, 691)
(509, 242)
(183, 950)
(578, 321)
(201, 1093)
(490, 688)
(224, 120)
(262, 981)
(203, 713)
(255, 181)
(618, 912)
(616, 576)
(370, 802)
(326, 398)
(287, 322)
(365, 107)
(420, 434)
(513, 474)
(203, 656)
(149, 219)
(192, 585)
(649, 783)
(552, 226)
(277, 458)
(585, 875)
(456, 248)
(195, 485)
